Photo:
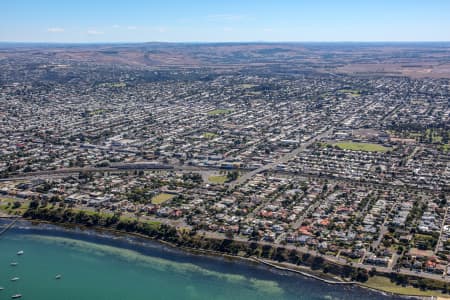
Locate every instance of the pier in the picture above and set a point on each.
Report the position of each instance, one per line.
(10, 225)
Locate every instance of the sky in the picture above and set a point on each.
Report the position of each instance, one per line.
(86, 21)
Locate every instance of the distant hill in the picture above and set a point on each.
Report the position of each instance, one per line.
(394, 59)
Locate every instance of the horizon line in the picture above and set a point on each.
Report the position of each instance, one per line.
(222, 42)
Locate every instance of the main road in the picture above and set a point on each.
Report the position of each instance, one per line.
(326, 132)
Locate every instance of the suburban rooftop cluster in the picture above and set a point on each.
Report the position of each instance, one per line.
(354, 168)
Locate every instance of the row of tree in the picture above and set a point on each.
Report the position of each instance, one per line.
(193, 240)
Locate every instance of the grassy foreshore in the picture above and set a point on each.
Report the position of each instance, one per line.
(195, 243)
(384, 284)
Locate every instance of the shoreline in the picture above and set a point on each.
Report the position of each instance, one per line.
(270, 264)
(301, 270)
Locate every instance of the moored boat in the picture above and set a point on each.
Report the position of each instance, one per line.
(15, 278)
(20, 252)
(16, 296)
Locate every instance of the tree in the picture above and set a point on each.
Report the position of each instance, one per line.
(34, 204)
(304, 187)
(229, 234)
(55, 198)
(293, 257)
(317, 263)
(362, 275)
(422, 284)
(231, 176)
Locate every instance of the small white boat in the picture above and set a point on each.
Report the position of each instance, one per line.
(14, 263)
(16, 296)
(15, 278)
(1, 288)
(58, 276)
(20, 252)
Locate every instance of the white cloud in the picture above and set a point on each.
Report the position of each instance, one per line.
(94, 32)
(131, 27)
(55, 29)
(115, 26)
(227, 29)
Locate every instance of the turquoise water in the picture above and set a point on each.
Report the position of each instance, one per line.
(106, 267)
